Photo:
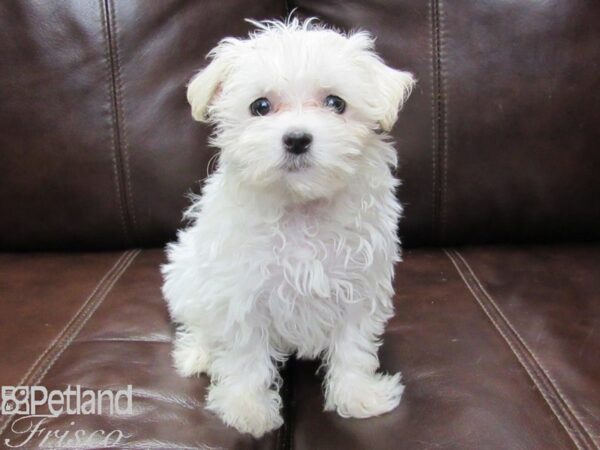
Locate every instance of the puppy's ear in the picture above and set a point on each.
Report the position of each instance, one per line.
(393, 88)
(204, 87)
(390, 88)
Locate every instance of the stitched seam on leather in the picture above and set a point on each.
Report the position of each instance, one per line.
(517, 354)
(34, 378)
(567, 404)
(26, 379)
(68, 324)
(534, 371)
(444, 121)
(113, 139)
(118, 151)
(438, 120)
(74, 326)
(93, 306)
(79, 320)
(120, 101)
(434, 94)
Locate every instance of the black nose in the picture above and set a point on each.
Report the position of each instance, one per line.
(297, 142)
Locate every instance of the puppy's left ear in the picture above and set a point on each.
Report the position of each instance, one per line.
(204, 87)
(389, 88)
(392, 87)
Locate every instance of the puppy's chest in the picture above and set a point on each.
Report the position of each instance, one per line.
(315, 263)
(314, 278)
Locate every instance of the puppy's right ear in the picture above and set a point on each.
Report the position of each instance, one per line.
(205, 86)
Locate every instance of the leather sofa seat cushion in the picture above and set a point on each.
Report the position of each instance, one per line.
(496, 346)
(498, 350)
(40, 295)
(122, 338)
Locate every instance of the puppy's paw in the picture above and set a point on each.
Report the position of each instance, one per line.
(190, 357)
(362, 395)
(255, 413)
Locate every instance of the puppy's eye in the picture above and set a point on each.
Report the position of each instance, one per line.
(336, 103)
(260, 107)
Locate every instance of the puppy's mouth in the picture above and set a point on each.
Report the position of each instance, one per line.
(296, 163)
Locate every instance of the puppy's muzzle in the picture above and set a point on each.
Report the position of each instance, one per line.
(297, 142)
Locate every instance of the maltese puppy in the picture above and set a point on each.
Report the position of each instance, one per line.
(291, 247)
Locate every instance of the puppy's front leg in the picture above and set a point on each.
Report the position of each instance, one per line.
(353, 388)
(244, 384)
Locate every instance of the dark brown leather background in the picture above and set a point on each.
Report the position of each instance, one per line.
(499, 141)
(97, 145)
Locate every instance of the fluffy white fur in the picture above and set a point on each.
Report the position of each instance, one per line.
(285, 257)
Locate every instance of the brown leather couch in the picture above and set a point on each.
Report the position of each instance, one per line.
(497, 331)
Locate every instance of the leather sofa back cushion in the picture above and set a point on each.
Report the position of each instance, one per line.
(498, 143)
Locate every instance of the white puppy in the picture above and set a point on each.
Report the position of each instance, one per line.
(293, 242)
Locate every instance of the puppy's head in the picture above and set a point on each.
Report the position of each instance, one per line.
(296, 106)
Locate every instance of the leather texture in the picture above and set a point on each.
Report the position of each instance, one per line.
(497, 144)
(120, 334)
(498, 344)
(546, 303)
(498, 347)
(46, 291)
(97, 145)
(498, 350)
